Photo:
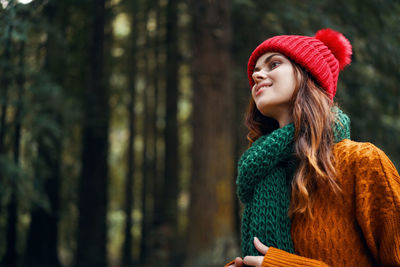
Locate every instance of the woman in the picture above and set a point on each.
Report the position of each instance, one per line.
(312, 196)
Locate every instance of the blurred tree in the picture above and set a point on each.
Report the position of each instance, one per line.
(10, 257)
(148, 138)
(5, 78)
(92, 241)
(42, 241)
(167, 218)
(211, 205)
(159, 76)
(131, 61)
(20, 82)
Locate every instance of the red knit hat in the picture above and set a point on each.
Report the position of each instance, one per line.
(323, 55)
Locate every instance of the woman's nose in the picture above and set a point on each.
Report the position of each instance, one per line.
(259, 76)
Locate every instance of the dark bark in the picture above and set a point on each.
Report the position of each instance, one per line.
(5, 82)
(145, 188)
(169, 213)
(156, 133)
(146, 164)
(10, 257)
(213, 136)
(92, 204)
(152, 104)
(161, 245)
(132, 68)
(42, 242)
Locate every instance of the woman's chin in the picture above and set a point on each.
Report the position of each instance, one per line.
(265, 110)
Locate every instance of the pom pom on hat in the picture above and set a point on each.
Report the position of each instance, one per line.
(338, 44)
(323, 55)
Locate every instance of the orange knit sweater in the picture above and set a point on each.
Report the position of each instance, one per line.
(359, 227)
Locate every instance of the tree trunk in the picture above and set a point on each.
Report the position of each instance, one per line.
(158, 186)
(158, 74)
(169, 213)
(42, 242)
(10, 257)
(92, 236)
(211, 237)
(132, 68)
(147, 157)
(145, 188)
(5, 82)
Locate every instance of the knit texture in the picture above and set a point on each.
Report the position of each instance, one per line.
(360, 227)
(265, 171)
(323, 55)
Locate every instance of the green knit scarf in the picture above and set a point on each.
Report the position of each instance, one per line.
(265, 172)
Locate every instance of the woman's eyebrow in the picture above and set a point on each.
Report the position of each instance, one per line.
(266, 61)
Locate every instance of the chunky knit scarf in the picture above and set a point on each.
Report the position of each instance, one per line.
(265, 172)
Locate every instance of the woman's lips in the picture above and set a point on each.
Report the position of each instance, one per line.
(259, 91)
(261, 86)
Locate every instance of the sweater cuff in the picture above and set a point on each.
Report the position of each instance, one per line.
(280, 258)
(230, 263)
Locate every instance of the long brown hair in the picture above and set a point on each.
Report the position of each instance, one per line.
(313, 118)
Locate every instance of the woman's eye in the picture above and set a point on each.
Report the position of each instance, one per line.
(274, 64)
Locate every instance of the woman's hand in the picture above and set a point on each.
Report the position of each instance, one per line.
(252, 260)
(256, 260)
(238, 262)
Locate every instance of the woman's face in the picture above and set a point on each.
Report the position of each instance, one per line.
(275, 82)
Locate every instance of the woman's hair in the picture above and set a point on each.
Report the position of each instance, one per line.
(313, 118)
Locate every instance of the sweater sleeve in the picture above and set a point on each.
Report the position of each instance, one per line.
(378, 206)
(230, 263)
(280, 258)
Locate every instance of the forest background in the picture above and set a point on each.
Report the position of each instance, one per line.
(121, 121)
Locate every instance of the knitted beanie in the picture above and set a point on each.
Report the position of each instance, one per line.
(323, 55)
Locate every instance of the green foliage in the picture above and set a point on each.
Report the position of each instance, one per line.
(41, 114)
(13, 32)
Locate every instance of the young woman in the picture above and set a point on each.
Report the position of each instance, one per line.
(312, 196)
